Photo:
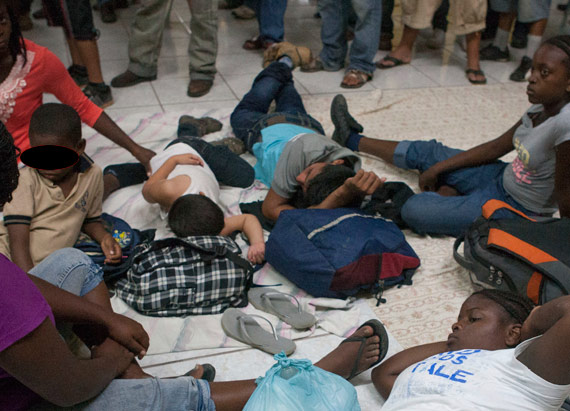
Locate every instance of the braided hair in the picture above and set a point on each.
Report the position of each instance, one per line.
(8, 165)
(16, 42)
(563, 43)
(517, 306)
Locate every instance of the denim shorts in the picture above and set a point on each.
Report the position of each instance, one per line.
(527, 11)
(75, 16)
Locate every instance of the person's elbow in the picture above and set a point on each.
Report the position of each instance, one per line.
(147, 193)
(269, 211)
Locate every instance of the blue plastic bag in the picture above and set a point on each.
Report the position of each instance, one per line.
(295, 385)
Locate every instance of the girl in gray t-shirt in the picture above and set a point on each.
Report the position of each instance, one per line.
(457, 183)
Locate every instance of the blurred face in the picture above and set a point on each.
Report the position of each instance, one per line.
(56, 176)
(308, 174)
(5, 30)
(482, 324)
(548, 83)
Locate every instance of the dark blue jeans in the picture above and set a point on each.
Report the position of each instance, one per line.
(250, 116)
(229, 168)
(270, 14)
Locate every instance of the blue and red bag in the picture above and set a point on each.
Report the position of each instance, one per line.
(336, 253)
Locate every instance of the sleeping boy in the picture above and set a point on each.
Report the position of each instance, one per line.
(186, 185)
(50, 207)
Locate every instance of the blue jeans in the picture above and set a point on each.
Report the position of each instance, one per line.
(229, 168)
(250, 116)
(270, 14)
(71, 270)
(334, 15)
(431, 213)
(152, 394)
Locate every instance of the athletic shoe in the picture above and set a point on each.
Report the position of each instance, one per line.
(494, 53)
(520, 73)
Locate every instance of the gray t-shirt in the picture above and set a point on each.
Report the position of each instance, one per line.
(529, 179)
(302, 151)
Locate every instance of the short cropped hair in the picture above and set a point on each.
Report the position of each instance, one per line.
(9, 173)
(195, 214)
(58, 120)
(331, 177)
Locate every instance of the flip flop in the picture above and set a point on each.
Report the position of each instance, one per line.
(244, 328)
(377, 329)
(477, 73)
(209, 373)
(275, 302)
(397, 62)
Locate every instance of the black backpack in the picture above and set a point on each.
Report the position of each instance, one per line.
(522, 255)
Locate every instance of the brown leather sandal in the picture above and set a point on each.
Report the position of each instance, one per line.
(355, 79)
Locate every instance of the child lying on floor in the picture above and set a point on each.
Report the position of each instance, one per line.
(50, 207)
(185, 185)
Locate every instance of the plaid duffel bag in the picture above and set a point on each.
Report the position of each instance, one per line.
(184, 276)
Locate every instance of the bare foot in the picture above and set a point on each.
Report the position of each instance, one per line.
(341, 360)
(403, 54)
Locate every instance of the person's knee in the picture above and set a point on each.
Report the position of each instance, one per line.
(414, 214)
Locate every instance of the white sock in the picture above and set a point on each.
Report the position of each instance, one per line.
(532, 45)
(501, 39)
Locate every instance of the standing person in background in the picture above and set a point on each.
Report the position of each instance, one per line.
(526, 11)
(270, 15)
(417, 14)
(146, 39)
(76, 18)
(335, 14)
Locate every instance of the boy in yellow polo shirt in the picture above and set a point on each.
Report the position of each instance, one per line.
(50, 207)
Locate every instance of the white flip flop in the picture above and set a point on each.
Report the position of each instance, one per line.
(279, 304)
(244, 328)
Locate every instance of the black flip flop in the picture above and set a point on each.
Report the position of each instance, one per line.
(209, 373)
(377, 329)
(477, 73)
(397, 62)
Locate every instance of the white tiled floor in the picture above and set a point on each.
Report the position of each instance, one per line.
(237, 67)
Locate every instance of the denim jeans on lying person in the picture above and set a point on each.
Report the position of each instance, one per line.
(432, 213)
(229, 168)
(335, 15)
(250, 116)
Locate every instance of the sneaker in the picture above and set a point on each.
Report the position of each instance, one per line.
(299, 55)
(343, 122)
(494, 53)
(437, 39)
(520, 73)
(99, 94)
(78, 74)
(519, 42)
(199, 127)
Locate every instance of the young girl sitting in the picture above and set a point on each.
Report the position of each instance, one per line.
(498, 357)
(457, 183)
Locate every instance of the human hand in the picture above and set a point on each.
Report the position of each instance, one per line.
(428, 179)
(189, 159)
(129, 333)
(144, 155)
(111, 249)
(256, 253)
(117, 355)
(363, 183)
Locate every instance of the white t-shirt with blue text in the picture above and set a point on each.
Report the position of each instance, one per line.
(474, 380)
